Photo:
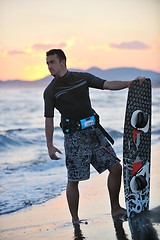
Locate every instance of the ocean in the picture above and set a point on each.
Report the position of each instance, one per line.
(27, 175)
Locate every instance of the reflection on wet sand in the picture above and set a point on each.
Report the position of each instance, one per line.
(78, 235)
(141, 226)
(120, 233)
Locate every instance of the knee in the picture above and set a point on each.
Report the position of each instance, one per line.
(117, 170)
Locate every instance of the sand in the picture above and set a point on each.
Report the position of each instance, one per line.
(52, 220)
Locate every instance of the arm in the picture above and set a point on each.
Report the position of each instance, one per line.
(116, 85)
(49, 130)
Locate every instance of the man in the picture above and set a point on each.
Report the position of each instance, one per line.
(84, 139)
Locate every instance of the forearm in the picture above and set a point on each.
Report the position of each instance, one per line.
(49, 129)
(116, 85)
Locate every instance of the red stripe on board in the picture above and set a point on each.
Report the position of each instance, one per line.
(135, 167)
(135, 132)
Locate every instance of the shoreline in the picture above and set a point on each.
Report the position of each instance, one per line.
(52, 220)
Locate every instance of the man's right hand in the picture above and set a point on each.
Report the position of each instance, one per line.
(52, 153)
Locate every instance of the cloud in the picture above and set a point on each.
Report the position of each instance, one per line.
(43, 46)
(134, 45)
(68, 43)
(33, 49)
(39, 47)
(16, 52)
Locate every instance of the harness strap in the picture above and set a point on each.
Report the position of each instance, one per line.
(70, 126)
(105, 133)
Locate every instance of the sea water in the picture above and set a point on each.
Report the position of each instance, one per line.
(27, 175)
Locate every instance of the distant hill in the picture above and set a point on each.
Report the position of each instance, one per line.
(109, 74)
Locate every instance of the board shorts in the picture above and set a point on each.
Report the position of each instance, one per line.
(83, 148)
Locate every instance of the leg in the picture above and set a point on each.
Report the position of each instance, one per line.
(72, 193)
(114, 184)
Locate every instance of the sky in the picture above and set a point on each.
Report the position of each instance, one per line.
(92, 33)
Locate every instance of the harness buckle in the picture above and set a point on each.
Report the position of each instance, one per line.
(87, 122)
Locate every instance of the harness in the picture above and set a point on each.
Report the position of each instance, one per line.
(70, 126)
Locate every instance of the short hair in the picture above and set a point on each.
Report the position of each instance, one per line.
(61, 55)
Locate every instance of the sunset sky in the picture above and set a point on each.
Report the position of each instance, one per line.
(99, 33)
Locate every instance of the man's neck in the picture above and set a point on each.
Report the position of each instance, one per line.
(61, 74)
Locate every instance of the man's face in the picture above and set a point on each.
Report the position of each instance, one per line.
(55, 66)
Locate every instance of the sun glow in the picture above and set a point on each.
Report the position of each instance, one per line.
(90, 37)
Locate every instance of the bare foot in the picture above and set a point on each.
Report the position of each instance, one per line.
(119, 212)
(78, 222)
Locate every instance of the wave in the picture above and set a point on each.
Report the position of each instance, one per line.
(156, 132)
(22, 137)
(30, 182)
(38, 195)
(39, 165)
(6, 141)
(115, 134)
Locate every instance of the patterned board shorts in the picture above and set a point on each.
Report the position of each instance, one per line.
(83, 148)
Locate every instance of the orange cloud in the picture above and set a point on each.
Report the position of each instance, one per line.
(133, 45)
(37, 47)
(16, 52)
(43, 46)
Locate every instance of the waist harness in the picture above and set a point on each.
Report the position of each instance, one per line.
(70, 126)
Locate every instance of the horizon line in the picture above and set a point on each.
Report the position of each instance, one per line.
(78, 69)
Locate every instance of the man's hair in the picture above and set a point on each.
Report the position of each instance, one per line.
(61, 55)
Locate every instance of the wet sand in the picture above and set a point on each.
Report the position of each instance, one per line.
(51, 220)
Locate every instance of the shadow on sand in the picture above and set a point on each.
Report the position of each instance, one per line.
(141, 226)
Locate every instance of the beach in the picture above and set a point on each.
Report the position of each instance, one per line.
(51, 220)
(33, 204)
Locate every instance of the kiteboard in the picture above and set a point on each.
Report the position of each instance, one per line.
(137, 147)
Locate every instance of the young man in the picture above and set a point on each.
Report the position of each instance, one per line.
(84, 140)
